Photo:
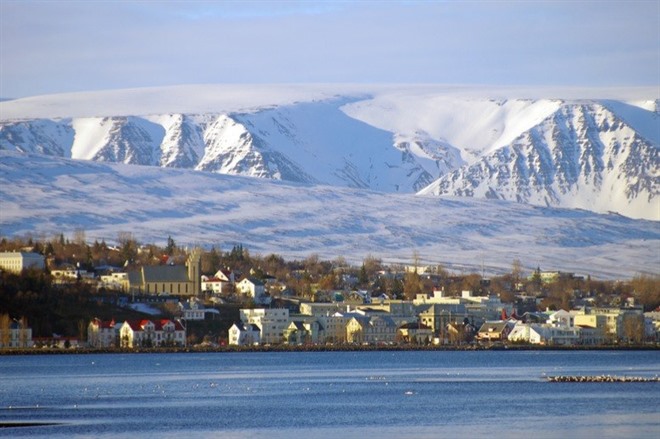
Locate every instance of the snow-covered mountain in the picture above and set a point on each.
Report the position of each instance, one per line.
(45, 195)
(573, 150)
(306, 142)
(583, 156)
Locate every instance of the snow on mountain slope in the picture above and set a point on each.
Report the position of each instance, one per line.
(232, 149)
(387, 138)
(40, 136)
(183, 143)
(130, 140)
(582, 156)
(43, 196)
(642, 116)
(305, 142)
(470, 124)
(335, 149)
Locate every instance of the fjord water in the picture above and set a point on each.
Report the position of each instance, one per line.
(329, 394)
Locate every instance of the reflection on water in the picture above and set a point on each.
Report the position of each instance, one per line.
(339, 394)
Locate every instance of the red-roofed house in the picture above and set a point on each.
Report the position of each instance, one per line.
(221, 282)
(148, 333)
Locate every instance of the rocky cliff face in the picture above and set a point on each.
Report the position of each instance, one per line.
(306, 143)
(582, 156)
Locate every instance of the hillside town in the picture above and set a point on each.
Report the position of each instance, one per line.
(173, 297)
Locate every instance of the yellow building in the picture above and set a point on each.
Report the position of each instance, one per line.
(372, 330)
(176, 280)
(17, 261)
(617, 324)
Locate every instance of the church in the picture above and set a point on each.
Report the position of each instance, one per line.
(174, 280)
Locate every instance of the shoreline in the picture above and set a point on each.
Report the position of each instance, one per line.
(318, 348)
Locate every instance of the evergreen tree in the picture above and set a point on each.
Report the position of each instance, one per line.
(171, 246)
(363, 277)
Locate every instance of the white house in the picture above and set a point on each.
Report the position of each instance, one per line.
(214, 285)
(221, 282)
(225, 275)
(271, 322)
(192, 309)
(148, 333)
(103, 334)
(17, 334)
(253, 288)
(544, 334)
(241, 334)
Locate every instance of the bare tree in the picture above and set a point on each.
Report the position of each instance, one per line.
(633, 328)
(79, 237)
(23, 333)
(516, 270)
(5, 331)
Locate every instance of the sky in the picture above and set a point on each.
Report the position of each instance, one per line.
(66, 46)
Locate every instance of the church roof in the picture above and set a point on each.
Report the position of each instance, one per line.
(159, 273)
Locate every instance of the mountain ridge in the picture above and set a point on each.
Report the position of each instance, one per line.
(435, 141)
(581, 155)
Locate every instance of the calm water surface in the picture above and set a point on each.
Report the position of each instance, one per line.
(329, 394)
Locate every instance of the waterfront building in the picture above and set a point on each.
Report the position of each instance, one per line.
(302, 330)
(372, 330)
(15, 334)
(148, 333)
(415, 332)
(271, 322)
(103, 334)
(626, 324)
(478, 308)
(334, 326)
(544, 334)
(438, 315)
(495, 330)
(241, 334)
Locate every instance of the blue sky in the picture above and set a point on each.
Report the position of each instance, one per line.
(63, 46)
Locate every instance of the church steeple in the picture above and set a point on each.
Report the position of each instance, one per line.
(194, 264)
